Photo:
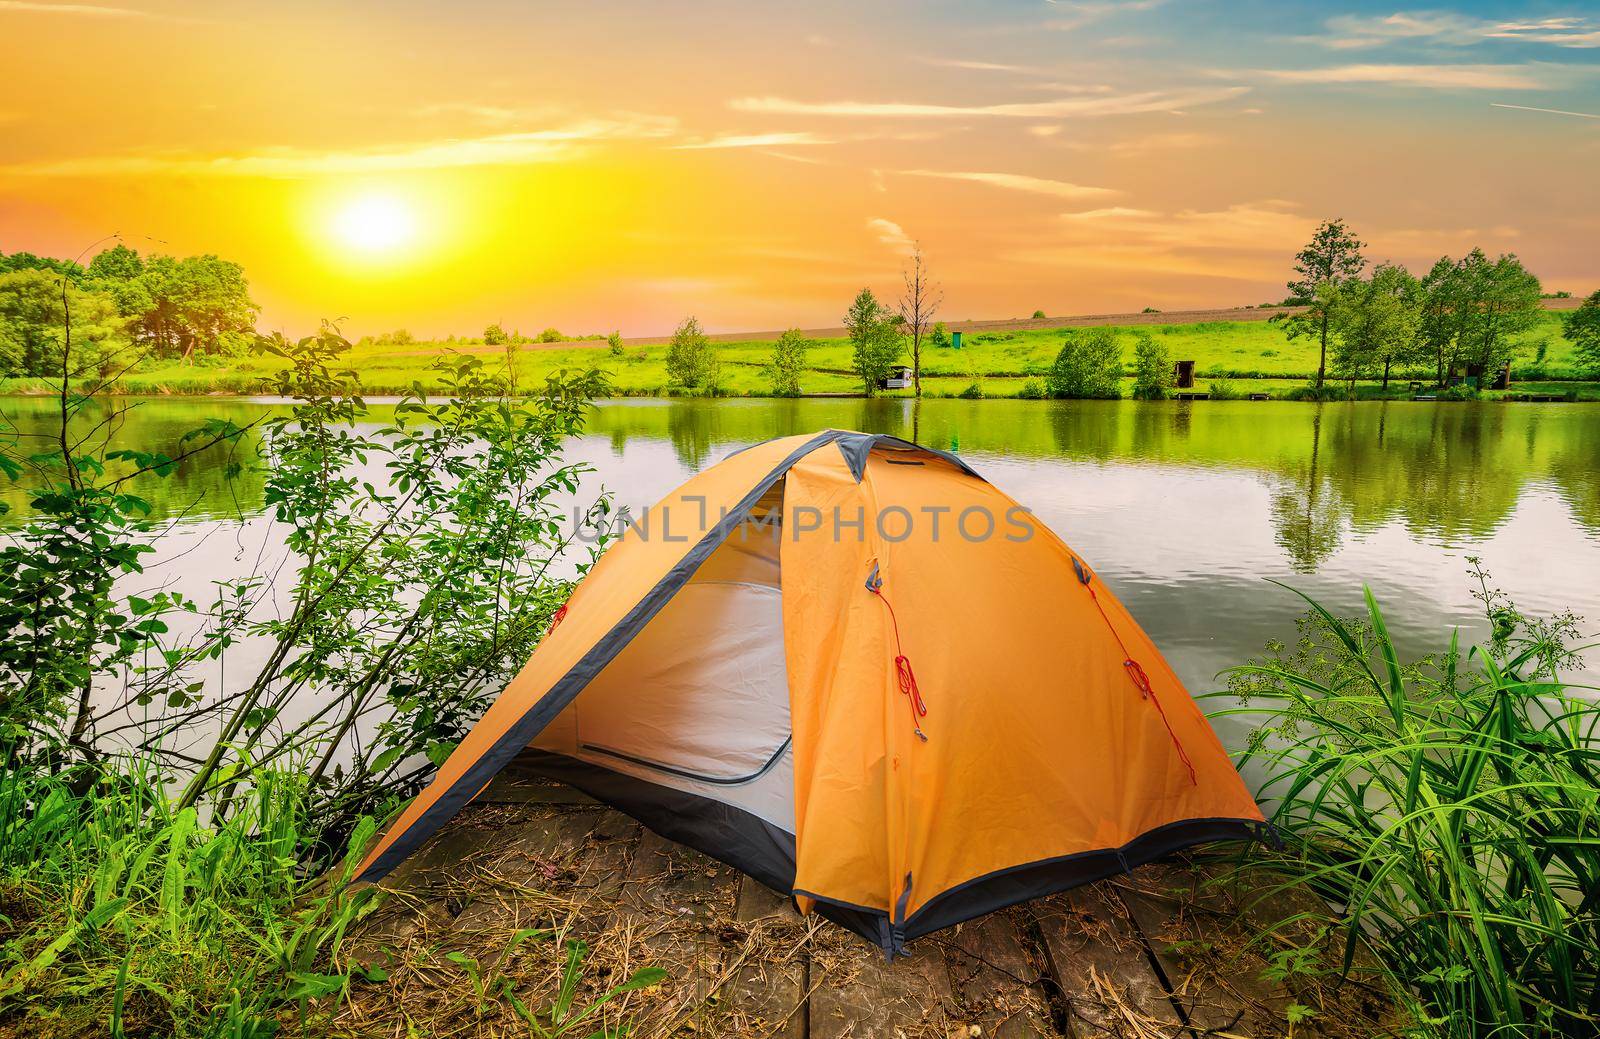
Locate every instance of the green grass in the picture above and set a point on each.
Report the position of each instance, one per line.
(1445, 809)
(1254, 355)
(120, 915)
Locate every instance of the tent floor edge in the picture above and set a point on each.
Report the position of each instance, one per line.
(1024, 883)
(730, 835)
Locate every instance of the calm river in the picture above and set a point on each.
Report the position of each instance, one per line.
(1186, 510)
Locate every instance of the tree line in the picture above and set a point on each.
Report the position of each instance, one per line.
(880, 336)
(1461, 318)
(124, 308)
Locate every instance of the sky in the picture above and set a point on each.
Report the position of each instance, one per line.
(612, 164)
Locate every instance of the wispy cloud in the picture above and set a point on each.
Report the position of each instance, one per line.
(505, 149)
(1547, 111)
(976, 66)
(1267, 224)
(487, 114)
(1353, 32)
(1438, 77)
(808, 160)
(1242, 242)
(756, 140)
(1059, 108)
(1018, 182)
(1076, 14)
(1110, 213)
(74, 10)
(1058, 87)
(1144, 143)
(891, 234)
(1562, 32)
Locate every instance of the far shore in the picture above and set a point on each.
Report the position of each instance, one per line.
(1236, 354)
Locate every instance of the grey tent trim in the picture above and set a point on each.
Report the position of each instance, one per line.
(857, 447)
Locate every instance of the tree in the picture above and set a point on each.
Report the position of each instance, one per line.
(788, 363)
(1582, 329)
(614, 341)
(1375, 323)
(940, 336)
(1089, 365)
(1152, 368)
(1498, 299)
(1331, 258)
(33, 326)
(874, 340)
(692, 362)
(180, 307)
(918, 303)
(31, 262)
(494, 335)
(552, 335)
(118, 263)
(1438, 316)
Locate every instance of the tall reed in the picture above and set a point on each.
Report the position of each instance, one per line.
(1447, 810)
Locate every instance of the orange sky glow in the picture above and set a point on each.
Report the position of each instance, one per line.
(618, 165)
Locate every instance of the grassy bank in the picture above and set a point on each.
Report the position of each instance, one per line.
(1250, 356)
(1444, 807)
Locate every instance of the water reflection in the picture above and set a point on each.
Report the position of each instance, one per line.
(1448, 472)
(1184, 509)
(224, 482)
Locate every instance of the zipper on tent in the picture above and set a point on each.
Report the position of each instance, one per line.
(906, 677)
(1136, 675)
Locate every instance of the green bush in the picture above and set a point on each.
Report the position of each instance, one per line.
(1445, 808)
(1033, 389)
(1222, 389)
(692, 362)
(788, 363)
(1089, 365)
(972, 392)
(1152, 368)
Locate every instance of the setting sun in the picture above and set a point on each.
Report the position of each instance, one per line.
(374, 224)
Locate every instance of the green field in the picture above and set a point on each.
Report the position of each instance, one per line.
(1252, 356)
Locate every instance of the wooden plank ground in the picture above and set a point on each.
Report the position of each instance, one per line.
(479, 925)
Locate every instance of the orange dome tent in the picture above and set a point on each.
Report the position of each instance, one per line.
(852, 668)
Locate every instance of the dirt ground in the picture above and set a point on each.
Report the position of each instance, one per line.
(535, 890)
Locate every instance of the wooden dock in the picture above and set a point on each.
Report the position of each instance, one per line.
(1158, 953)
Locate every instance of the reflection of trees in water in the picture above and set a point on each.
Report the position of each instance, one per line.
(689, 428)
(695, 427)
(1307, 513)
(1160, 430)
(1090, 429)
(1453, 472)
(1447, 471)
(1450, 472)
(220, 483)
